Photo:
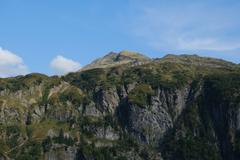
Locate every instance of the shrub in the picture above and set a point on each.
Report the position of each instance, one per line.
(73, 95)
(46, 144)
(141, 95)
(30, 151)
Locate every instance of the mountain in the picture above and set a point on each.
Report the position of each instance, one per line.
(115, 59)
(197, 60)
(125, 106)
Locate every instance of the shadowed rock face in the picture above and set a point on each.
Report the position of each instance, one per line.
(177, 107)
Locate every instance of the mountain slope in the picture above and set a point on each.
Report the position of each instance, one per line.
(177, 107)
(115, 59)
(197, 60)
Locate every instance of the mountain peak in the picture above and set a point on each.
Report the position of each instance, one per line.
(115, 59)
(111, 54)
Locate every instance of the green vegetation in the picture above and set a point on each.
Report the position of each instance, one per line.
(61, 139)
(13, 132)
(22, 82)
(40, 113)
(72, 94)
(126, 144)
(47, 144)
(86, 80)
(191, 148)
(192, 138)
(54, 81)
(224, 85)
(141, 95)
(30, 151)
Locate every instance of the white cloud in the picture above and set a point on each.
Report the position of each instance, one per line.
(207, 44)
(62, 65)
(190, 26)
(11, 64)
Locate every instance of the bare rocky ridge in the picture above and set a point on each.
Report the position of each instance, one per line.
(115, 59)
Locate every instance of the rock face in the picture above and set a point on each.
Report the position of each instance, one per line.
(107, 100)
(150, 123)
(125, 106)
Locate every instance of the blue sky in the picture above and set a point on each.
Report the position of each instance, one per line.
(58, 36)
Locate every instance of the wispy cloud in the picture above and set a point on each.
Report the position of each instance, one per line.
(62, 65)
(11, 64)
(189, 26)
(207, 44)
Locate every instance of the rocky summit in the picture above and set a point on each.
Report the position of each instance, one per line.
(125, 106)
(115, 59)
